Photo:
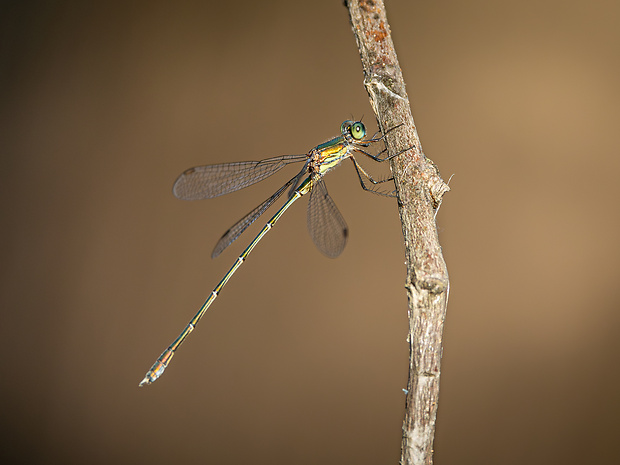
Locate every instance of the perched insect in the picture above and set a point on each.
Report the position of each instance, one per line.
(327, 226)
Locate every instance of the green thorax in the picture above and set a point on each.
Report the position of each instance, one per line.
(329, 154)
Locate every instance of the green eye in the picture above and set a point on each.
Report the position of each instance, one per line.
(358, 131)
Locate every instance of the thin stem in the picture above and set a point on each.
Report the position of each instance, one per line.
(420, 191)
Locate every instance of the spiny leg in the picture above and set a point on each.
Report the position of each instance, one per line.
(361, 174)
(378, 158)
(374, 137)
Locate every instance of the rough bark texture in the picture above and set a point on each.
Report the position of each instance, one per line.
(420, 190)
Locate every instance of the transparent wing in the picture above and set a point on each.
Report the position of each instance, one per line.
(325, 223)
(205, 182)
(244, 223)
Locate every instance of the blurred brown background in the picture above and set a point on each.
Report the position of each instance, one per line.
(303, 359)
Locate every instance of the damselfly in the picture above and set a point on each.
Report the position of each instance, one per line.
(325, 223)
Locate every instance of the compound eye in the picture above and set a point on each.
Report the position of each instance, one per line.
(358, 131)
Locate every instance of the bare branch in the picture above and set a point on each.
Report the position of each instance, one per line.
(420, 190)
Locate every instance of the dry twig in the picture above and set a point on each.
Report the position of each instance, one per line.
(420, 190)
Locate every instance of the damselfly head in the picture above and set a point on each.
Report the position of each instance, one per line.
(355, 129)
